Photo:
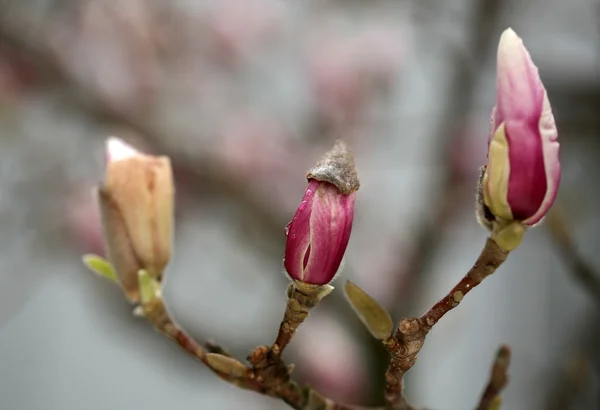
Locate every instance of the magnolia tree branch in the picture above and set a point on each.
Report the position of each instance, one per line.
(491, 257)
(269, 375)
(302, 297)
(409, 337)
(498, 380)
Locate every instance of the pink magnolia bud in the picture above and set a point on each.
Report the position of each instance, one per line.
(523, 172)
(318, 235)
(136, 201)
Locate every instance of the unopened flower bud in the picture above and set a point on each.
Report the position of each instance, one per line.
(318, 235)
(136, 201)
(522, 176)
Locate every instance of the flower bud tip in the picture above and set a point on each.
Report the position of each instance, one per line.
(337, 167)
(117, 149)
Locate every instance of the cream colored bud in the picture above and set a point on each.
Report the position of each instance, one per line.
(136, 200)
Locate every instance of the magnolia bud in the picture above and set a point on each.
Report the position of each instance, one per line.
(522, 176)
(318, 235)
(136, 201)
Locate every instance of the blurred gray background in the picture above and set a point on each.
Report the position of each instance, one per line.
(245, 96)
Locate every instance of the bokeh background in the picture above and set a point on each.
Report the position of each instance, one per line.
(245, 95)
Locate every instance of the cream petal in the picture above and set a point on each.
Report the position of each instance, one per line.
(117, 149)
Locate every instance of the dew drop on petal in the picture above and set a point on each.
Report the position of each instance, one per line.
(287, 229)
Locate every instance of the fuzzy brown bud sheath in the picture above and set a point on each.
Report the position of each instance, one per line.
(136, 201)
(337, 167)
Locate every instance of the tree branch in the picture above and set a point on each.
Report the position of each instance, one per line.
(273, 380)
(498, 380)
(409, 337)
(269, 375)
(491, 257)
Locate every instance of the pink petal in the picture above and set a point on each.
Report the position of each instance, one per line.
(330, 227)
(298, 234)
(522, 103)
(520, 90)
(550, 147)
(527, 181)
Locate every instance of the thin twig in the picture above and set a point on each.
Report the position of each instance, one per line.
(498, 380)
(302, 297)
(491, 257)
(403, 347)
(410, 335)
(157, 315)
(269, 375)
(273, 381)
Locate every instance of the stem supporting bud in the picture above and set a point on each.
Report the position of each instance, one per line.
(302, 297)
(508, 234)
